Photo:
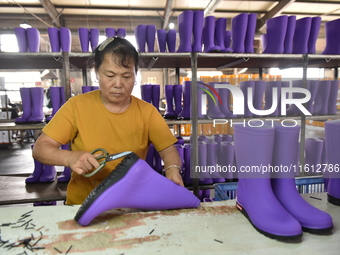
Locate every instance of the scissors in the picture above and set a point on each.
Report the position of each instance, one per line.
(106, 157)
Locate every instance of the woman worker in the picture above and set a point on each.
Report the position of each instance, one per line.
(109, 118)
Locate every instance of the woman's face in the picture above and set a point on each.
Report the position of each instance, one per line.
(115, 82)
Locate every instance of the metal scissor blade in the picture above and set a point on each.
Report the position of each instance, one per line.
(117, 155)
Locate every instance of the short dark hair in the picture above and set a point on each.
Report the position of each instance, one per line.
(121, 48)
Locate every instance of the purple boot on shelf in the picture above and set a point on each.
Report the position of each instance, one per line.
(332, 32)
(186, 113)
(227, 159)
(203, 174)
(288, 42)
(239, 26)
(186, 165)
(53, 35)
(227, 42)
(26, 106)
(322, 97)
(37, 172)
(48, 175)
(178, 88)
(214, 104)
(254, 147)
(140, 34)
(270, 95)
(285, 153)
(169, 97)
(198, 23)
(65, 39)
(259, 88)
(150, 37)
(161, 39)
(85, 89)
(313, 88)
(146, 92)
(313, 35)
(136, 185)
(293, 109)
(220, 28)
(185, 28)
(249, 39)
(94, 38)
(121, 32)
(37, 99)
(21, 35)
(33, 39)
(209, 35)
(55, 101)
(110, 32)
(276, 33)
(313, 153)
(84, 38)
(332, 140)
(244, 85)
(212, 154)
(171, 40)
(225, 106)
(156, 89)
(333, 96)
(301, 35)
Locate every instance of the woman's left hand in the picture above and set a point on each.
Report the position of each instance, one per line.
(174, 175)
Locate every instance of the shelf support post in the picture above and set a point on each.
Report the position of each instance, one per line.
(66, 74)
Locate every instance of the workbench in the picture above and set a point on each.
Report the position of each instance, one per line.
(212, 228)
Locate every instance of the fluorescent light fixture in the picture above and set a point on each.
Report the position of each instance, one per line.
(25, 25)
(171, 25)
(243, 70)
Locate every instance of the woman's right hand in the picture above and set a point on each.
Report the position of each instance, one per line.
(82, 162)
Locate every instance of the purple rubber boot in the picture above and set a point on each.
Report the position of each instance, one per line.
(239, 26)
(84, 38)
(288, 43)
(185, 28)
(321, 98)
(25, 94)
(285, 84)
(33, 39)
(169, 96)
(227, 42)
(332, 37)
(325, 173)
(249, 40)
(55, 101)
(178, 89)
(225, 106)
(203, 173)
(276, 33)
(218, 139)
(136, 185)
(65, 176)
(271, 98)
(220, 28)
(94, 38)
(49, 174)
(259, 88)
(156, 90)
(38, 170)
(37, 99)
(94, 88)
(146, 91)
(150, 37)
(212, 153)
(171, 40)
(121, 32)
(208, 35)
(313, 88)
(313, 35)
(333, 96)
(227, 159)
(244, 85)
(313, 153)
(53, 35)
(214, 111)
(255, 197)
(301, 35)
(285, 153)
(332, 139)
(85, 89)
(161, 40)
(21, 35)
(197, 31)
(185, 113)
(110, 32)
(65, 39)
(293, 110)
(186, 165)
(62, 95)
(140, 34)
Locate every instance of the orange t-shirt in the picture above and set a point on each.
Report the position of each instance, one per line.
(87, 124)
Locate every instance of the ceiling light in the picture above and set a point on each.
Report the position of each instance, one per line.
(25, 25)
(171, 25)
